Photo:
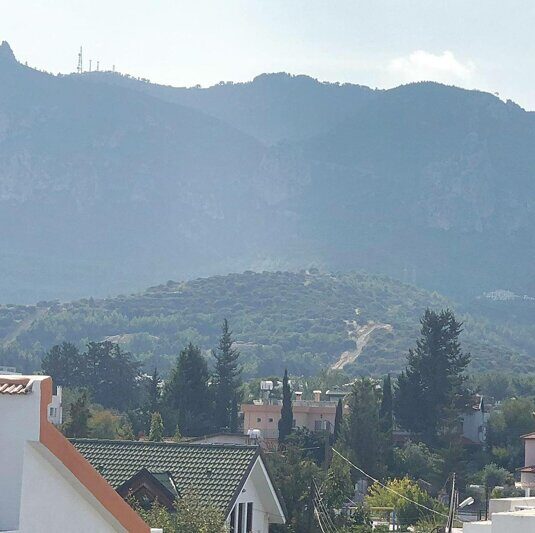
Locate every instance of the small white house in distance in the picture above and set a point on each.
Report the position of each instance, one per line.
(46, 484)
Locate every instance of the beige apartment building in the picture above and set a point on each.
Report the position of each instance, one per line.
(261, 418)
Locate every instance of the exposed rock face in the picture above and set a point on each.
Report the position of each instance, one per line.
(108, 183)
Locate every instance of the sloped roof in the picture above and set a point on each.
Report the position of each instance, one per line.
(15, 385)
(216, 472)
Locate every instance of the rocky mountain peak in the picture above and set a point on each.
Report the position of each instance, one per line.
(6, 54)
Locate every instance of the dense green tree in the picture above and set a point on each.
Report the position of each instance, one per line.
(338, 421)
(362, 434)
(77, 426)
(62, 362)
(153, 391)
(505, 427)
(226, 380)
(386, 421)
(156, 428)
(397, 494)
(293, 474)
(310, 443)
(417, 461)
(287, 417)
(191, 515)
(106, 371)
(187, 397)
(430, 392)
(338, 486)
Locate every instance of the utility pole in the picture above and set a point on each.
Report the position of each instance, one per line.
(80, 67)
(451, 513)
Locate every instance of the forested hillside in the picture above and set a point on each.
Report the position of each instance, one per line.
(304, 321)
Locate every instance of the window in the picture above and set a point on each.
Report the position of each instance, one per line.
(240, 517)
(270, 419)
(259, 420)
(249, 517)
(52, 411)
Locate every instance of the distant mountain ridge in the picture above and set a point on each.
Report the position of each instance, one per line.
(108, 183)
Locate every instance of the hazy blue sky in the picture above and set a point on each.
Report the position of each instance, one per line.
(486, 44)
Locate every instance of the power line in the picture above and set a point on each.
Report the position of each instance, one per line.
(388, 488)
(319, 499)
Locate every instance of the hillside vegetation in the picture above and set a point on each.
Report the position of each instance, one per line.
(303, 321)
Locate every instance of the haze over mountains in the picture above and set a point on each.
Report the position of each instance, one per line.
(109, 184)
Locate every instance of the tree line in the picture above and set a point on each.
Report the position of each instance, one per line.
(192, 401)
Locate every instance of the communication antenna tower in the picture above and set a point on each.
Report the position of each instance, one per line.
(79, 69)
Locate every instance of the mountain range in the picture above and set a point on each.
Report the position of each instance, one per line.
(109, 184)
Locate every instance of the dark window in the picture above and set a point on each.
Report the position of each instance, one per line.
(271, 419)
(250, 517)
(259, 420)
(240, 517)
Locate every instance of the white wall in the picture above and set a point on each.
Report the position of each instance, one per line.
(19, 422)
(478, 527)
(521, 522)
(502, 505)
(53, 500)
(256, 489)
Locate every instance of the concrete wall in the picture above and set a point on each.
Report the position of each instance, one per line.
(54, 500)
(529, 447)
(503, 505)
(478, 527)
(513, 522)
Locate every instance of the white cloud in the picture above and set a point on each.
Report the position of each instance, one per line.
(425, 66)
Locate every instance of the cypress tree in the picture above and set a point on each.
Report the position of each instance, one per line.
(226, 377)
(338, 418)
(386, 421)
(287, 416)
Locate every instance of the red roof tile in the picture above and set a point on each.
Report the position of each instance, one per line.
(15, 385)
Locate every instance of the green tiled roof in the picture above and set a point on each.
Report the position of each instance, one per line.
(216, 472)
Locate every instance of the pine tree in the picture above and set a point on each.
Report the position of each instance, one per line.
(430, 392)
(186, 398)
(338, 419)
(226, 377)
(78, 424)
(287, 416)
(156, 428)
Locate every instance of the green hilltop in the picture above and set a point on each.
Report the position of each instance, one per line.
(306, 321)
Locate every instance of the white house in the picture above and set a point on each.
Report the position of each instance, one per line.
(46, 484)
(232, 477)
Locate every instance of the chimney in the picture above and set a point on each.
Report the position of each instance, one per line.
(298, 395)
(317, 395)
